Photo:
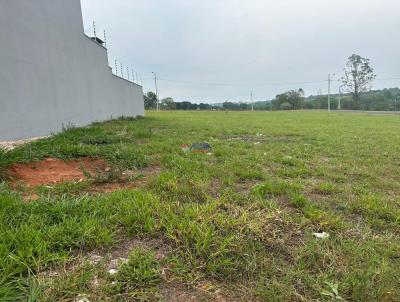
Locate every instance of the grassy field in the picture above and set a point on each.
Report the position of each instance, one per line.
(234, 225)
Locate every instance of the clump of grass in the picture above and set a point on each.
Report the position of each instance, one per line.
(299, 201)
(377, 212)
(289, 161)
(326, 188)
(179, 188)
(141, 133)
(294, 172)
(4, 176)
(248, 173)
(3, 166)
(99, 140)
(325, 219)
(139, 277)
(69, 284)
(68, 188)
(126, 157)
(276, 188)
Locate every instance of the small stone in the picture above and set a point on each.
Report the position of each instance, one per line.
(112, 271)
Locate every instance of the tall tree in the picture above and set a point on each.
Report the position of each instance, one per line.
(358, 76)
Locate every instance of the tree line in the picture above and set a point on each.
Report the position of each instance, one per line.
(355, 94)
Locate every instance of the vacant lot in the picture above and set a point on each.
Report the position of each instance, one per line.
(296, 206)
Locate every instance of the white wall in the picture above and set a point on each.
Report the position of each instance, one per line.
(51, 74)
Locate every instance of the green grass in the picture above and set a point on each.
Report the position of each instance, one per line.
(241, 218)
(138, 278)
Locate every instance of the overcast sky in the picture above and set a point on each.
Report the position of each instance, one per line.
(267, 46)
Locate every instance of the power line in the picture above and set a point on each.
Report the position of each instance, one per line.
(387, 79)
(377, 79)
(239, 85)
(258, 85)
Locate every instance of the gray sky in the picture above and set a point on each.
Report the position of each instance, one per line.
(259, 45)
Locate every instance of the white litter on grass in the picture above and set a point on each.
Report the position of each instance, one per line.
(265, 154)
(322, 235)
(257, 143)
(81, 298)
(112, 271)
(209, 154)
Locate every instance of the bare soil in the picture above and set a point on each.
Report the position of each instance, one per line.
(50, 172)
(54, 171)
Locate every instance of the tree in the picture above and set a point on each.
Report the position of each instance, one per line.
(186, 106)
(204, 106)
(292, 99)
(150, 100)
(358, 76)
(168, 104)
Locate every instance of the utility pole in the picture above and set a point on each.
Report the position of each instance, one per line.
(155, 83)
(340, 98)
(329, 93)
(252, 101)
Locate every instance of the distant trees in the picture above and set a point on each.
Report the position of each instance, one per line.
(186, 106)
(150, 100)
(168, 104)
(358, 76)
(380, 100)
(234, 106)
(204, 106)
(290, 100)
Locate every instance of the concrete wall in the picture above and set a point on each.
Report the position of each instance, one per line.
(52, 74)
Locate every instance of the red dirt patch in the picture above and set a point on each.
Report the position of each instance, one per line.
(53, 171)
